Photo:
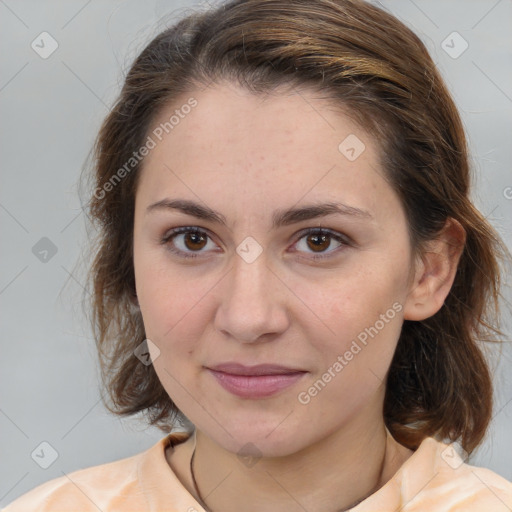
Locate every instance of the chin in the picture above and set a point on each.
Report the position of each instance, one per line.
(259, 438)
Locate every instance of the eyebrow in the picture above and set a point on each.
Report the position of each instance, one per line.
(279, 218)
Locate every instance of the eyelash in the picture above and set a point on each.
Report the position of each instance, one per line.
(169, 236)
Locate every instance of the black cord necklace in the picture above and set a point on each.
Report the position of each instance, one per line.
(201, 500)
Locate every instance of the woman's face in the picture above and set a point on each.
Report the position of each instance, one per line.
(264, 286)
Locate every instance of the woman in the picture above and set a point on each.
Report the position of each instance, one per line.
(289, 259)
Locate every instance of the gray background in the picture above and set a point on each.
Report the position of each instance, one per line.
(51, 110)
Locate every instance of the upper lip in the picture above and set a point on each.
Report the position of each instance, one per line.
(259, 369)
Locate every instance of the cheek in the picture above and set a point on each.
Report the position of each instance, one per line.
(172, 305)
(347, 306)
(363, 311)
(353, 363)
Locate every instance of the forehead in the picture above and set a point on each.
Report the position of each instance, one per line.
(227, 118)
(289, 144)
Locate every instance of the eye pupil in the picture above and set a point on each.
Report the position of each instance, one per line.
(323, 239)
(194, 237)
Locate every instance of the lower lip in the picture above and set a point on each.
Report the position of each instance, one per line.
(255, 386)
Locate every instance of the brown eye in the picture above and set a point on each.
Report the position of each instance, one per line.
(186, 241)
(194, 241)
(191, 242)
(319, 242)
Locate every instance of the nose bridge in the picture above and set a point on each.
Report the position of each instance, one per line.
(250, 305)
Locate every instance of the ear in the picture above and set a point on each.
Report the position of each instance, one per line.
(435, 272)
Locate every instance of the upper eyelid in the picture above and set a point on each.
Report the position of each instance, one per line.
(180, 230)
(200, 229)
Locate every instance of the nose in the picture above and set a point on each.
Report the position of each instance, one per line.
(252, 303)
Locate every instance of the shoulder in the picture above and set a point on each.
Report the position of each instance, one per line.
(107, 487)
(436, 479)
(442, 480)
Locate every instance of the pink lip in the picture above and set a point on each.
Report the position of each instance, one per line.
(255, 381)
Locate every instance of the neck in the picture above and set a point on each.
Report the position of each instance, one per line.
(332, 475)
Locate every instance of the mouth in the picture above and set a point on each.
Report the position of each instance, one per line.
(258, 381)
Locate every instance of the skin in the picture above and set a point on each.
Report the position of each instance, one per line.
(246, 156)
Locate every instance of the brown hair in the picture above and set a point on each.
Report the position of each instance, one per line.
(377, 70)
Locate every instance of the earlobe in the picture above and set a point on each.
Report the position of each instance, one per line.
(435, 272)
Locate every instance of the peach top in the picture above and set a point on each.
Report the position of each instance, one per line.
(433, 478)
